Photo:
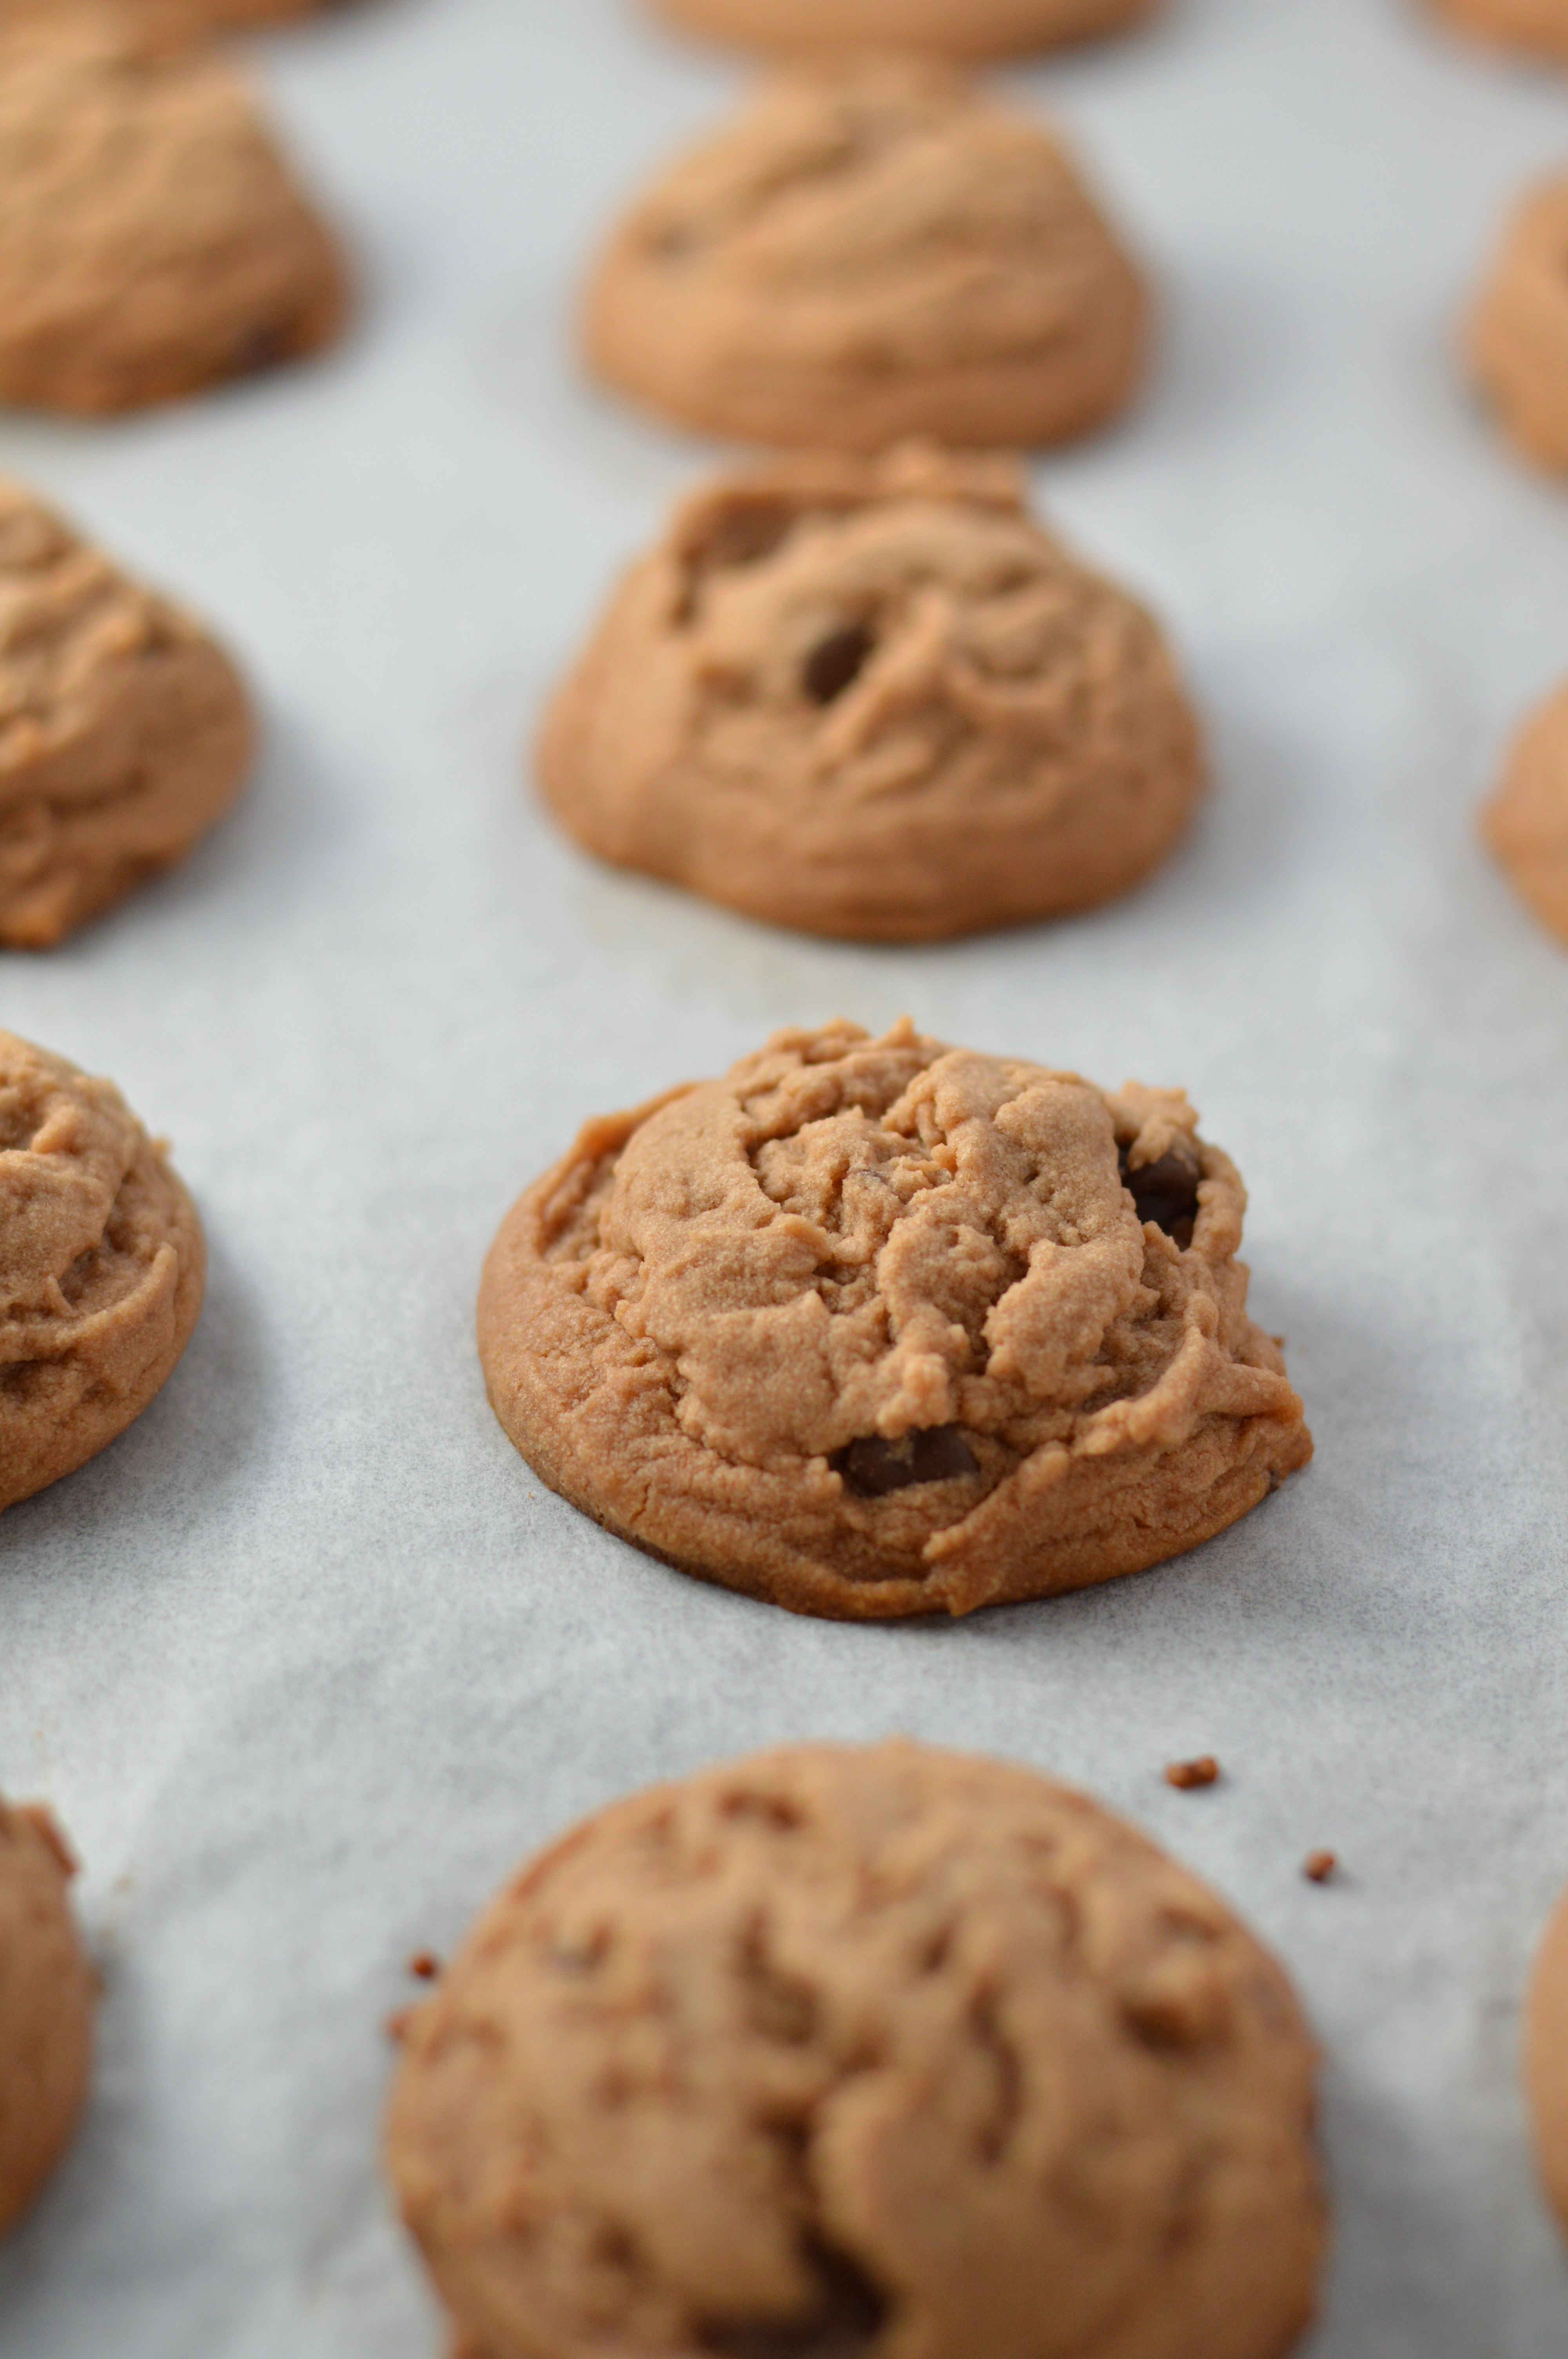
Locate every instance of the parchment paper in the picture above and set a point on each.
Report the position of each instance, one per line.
(309, 1661)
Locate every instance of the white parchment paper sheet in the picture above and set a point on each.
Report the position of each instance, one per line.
(309, 1661)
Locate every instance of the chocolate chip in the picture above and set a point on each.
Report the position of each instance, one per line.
(872, 1467)
(1188, 1776)
(836, 662)
(1166, 1193)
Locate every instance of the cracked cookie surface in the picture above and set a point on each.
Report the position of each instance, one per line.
(102, 1267)
(1518, 329)
(125, 731)
(871, 251)
(152, 239)
(47, 1999)
(874, 699)
(861, 2053)
(1540, 25)
(872, 1328)
(1526, 823)
(989, 28)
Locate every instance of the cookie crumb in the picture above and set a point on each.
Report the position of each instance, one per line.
(1320, 1866)
(1186, 1774)
(425, 1965)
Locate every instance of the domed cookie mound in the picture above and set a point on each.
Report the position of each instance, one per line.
(987, 28)
(871, 251)
(1526, 823)
(872, 1328)
(125, 732)
(1518, 331)
(151, 239)
(1538, 25)
(47, 2001)
(870, 2052)
(101, 1268)
(874, 699)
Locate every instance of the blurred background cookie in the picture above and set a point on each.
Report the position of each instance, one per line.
(872, 1328)
(859, 2050)
(152, 239)
(102, 1267)
(1526, 823)
(987, 28)
(1538, 25)
(874, 699)
(47, 1999)
(217, 16)
(1546, 2058)
(124, 730)
(1518, 329)
(873, 250)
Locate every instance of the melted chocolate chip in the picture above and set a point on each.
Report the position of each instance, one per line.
(836, 662)
(1166, 1193)
(872, 1467)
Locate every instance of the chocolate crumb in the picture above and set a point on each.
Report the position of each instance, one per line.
(1166, 1193)
(425, 1964)
(1185, 1775)
(1319, 1866)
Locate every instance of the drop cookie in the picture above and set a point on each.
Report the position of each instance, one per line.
(102, 1268)
(863, 2051)
(1538, 25)
(873, 250)
(1526, 823)
(994, 28)
(873, 1327)
(125, 731)
(1518, 329)
(873, 698)
(152, 240)
(47, 1999)
(1546, 2058)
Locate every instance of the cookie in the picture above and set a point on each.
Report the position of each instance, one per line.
(872, 1328)
(1526, 823)
(871, 251)
(47, 1998)
(874, 699)
(125, 731)
(1538, 25)
(216, 15)
(102, 1267)
(152, 240)
(1546, 2058)
(859, 2051)
(994, 28)
(1518, 329)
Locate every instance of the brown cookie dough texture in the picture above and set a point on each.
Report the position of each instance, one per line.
(874, 699)
(125, 731)
(1546, 2058)
(1519, 330)
(1526, 823)
(871, 251)
(47, 1998)
(872, 1328)
(152, 240)
(102, 1268)
(870, 2053)
(983, 29)
(1538, 25)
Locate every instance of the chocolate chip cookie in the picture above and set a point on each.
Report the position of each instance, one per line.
(992, 28)
(874, 699)
(1526, 823)
(124, 730)
(1546, 2058)
(1518, 329)
(872, 1328)
(215, 16)
(102, 1267)
(1538, 25)
(47, 1998)
(873, 250)
(152, 239)
(863, 2051)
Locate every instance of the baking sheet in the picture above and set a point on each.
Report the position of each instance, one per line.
(308, 1659)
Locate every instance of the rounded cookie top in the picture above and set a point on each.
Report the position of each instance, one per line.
(47, 2002)
(1538, 25)
(863, 2051)
(152, 241)
(871, 251)
(101, 1267)
(984, 28)
(1526, 823)
(125, 731)
(1519, 327)
(874, 699)
(880, 1327)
